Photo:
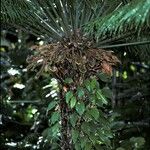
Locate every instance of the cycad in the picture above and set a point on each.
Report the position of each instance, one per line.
(62, 18)
(73, 30)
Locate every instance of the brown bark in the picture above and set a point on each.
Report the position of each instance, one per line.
(65, 135)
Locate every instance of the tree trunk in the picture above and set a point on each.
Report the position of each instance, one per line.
(65, 135)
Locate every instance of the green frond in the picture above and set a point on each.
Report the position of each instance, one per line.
(110, 22)
(131, 18)
(48, 18)
(53, 18)
(142, 51)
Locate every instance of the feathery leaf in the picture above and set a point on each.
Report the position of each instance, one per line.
(134, 16)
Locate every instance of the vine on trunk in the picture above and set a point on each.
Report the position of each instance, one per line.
(78, 113)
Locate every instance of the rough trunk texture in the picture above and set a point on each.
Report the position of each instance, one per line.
(65, 138)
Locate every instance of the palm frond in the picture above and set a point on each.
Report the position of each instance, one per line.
(129, 19)
(142, 51)
(53, 18)
(110, 22)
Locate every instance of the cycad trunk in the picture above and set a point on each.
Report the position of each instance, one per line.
(65, 132)
(78, 62)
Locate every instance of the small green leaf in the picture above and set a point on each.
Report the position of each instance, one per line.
(107, 92)
(73, 102)
(77, 146)
(94, 84)
(55, 129)
(73, 119)
(88, 146)
(55, 117)
(94, 113)
(104, 77)
(69, 95)
(88, 116)
(101, 97)
(102, 133)
(51, 105)
(80, 108)
(80, 92)
(75, 134)
(83, 141)
(68, 81)
(86, 127)
(88, 85)
(94, 138)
